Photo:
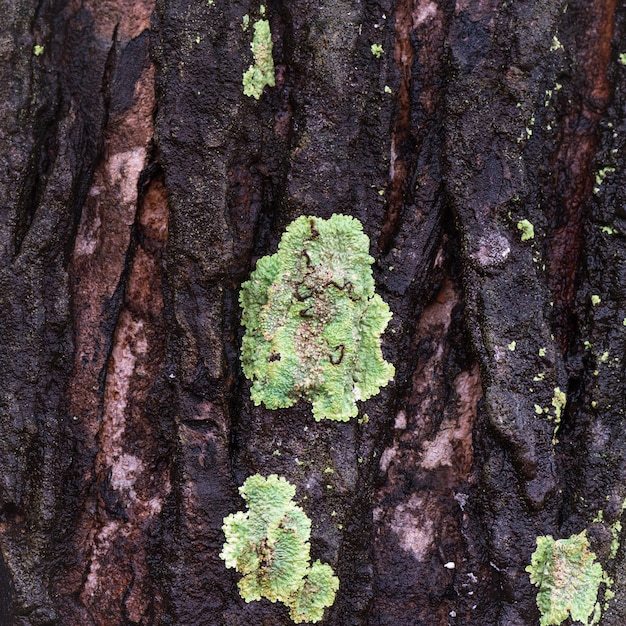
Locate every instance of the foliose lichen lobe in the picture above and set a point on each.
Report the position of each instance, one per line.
(269, 545)
(314, 322)
(568, 577)
(261, 73)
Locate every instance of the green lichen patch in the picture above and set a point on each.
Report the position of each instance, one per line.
(377, 50)
(559, 400)
(313, 322)
(261, 73)
(528, 230)
(568, 578)
(317, 592)
(600, 176)
(269, 545)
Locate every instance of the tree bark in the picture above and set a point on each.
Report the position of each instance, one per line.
(140, 186)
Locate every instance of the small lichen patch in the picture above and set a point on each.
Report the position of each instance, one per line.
(38, 50)
(559, 400)
(556, 44)
(269, 545)
(595, 300)
(568, 578)
(313, 321)
(261, 73)
(528, 230)
(600, 176)
(377, 50)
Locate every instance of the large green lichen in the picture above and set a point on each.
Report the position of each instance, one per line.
(568, 578)
(313, 322)
(261, 73)
(269, 545)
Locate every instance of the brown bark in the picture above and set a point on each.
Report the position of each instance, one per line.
(139, 187)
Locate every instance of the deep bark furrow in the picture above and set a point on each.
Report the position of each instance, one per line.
(573, 161)
(401, 137)
(119, 336)
(419, 551)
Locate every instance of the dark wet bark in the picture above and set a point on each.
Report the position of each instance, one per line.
(139, 186)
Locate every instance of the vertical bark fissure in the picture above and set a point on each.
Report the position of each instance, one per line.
(573, 160)
(131, 486)
(119, 334)
(593, 441)
(419, 547)
(401, 134)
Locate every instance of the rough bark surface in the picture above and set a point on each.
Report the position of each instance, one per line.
(139, 186)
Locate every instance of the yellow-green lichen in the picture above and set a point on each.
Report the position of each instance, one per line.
(556, 44)
(38, 50)
(269, 545)
(616, 531)
(568, 577)
(528, 230)
(313, 321)
(600, 176)
(559, 400)
(595, 300)
(261, 73)
(377, 50)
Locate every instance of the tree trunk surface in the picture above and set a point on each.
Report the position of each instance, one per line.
(140, 186)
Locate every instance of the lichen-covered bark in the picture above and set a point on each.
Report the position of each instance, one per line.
(534, 159)
(139, 187)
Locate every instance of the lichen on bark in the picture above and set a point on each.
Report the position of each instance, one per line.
(269, 545)
(261, 73)
(313, 322)
(568, 577)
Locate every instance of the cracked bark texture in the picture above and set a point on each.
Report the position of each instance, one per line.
(139, 186)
